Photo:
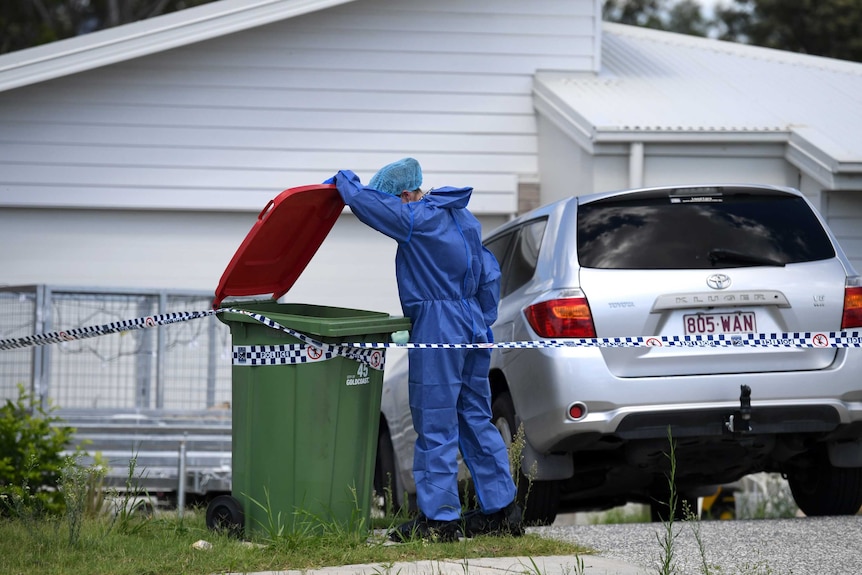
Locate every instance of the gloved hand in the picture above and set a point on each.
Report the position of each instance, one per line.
(330, 180)
(400, 337)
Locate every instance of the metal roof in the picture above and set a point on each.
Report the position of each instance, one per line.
(144, 37)
(671, 87)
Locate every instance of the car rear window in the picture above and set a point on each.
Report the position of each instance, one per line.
(699, 229)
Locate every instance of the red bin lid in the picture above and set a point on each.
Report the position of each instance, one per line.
(286, 235)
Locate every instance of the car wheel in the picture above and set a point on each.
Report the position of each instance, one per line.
(540, 500)
(386, 484)
(823, 489)
(388, 487)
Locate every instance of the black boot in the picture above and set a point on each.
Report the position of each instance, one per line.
(507, 521)
(427, 530)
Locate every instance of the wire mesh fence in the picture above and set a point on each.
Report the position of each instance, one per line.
(18, 319)
(182, 367)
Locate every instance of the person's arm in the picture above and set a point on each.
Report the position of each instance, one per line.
(379, 210)
(489, 287)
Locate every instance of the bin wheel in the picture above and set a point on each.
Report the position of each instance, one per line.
(224, 513)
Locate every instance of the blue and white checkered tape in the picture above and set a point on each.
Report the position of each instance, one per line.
(311, 350)
(287, 354)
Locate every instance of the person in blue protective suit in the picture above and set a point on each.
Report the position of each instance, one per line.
(448, 284)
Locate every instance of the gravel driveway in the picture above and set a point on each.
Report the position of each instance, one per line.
(799, 546)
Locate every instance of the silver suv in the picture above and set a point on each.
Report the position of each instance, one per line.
(680, 262)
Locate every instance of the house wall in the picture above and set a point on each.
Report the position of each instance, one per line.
(354, 266)
(843, 212)
(148, 173)
(812, 190)
(606, 166)
(714, 163)
(566, 168)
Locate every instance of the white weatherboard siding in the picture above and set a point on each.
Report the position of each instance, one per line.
(222, 124)
(843, 211)
(149, 172)
(185, 250)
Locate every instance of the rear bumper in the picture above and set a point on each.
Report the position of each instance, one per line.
(622, 409)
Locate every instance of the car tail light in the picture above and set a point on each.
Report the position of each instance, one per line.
(564, 317)
(852, 308)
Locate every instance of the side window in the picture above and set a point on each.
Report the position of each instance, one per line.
(525, 256)
(499, 246)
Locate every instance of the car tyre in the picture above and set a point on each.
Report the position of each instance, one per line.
(387, 486)
(823, 489)
(540, 500)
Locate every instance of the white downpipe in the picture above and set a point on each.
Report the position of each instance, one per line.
(636, 165)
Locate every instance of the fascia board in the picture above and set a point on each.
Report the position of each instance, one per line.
(574, 125)
(829, 171)
(613, 136)
(73, 55)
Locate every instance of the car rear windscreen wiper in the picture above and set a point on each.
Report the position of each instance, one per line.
(720, 255)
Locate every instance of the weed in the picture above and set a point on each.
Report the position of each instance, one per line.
(75, 481)
(577, 569)
(693, 520)
(133, 509)
(274, 527)
(278, 528)
(516, 450)
(386, 569)
(96, 491)
(18, 501)
(579, 565)
(667, 564)
(389, 496)
(523, 478)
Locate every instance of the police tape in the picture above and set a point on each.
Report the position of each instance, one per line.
(314, 350)
(97, 330)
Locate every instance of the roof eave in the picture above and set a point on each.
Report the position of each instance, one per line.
(831, 173)
(828, 170)
(587, 135)
(112, 45)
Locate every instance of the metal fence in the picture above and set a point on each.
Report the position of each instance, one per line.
(183, 367)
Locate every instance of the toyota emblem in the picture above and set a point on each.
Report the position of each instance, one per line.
(718, 281)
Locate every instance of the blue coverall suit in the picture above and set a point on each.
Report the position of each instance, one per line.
(449, 286)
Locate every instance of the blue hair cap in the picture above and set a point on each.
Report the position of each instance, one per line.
(394, 178)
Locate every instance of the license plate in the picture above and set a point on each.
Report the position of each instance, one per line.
(718, 323)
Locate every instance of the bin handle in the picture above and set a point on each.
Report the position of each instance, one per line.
(265, 210)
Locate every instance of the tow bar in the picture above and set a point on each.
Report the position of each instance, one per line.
(740, 422)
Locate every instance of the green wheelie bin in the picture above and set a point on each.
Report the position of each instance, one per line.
(305, 420)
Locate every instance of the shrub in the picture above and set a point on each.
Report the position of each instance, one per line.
(31, 458)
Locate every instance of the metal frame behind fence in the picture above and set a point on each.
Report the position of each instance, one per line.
(183, 367)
